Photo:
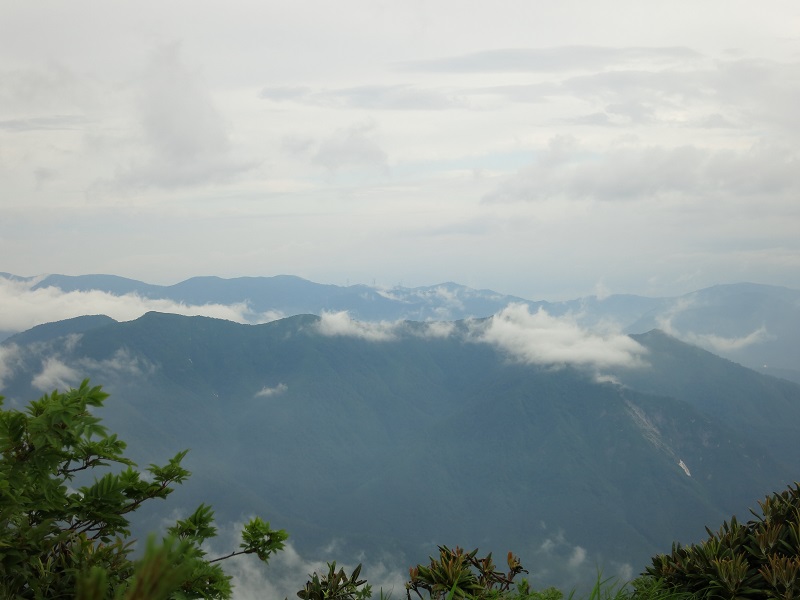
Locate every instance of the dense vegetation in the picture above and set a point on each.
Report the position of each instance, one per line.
(757, 559)
(65, 532)
(60, 541)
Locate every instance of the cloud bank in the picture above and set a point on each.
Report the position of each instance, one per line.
(541, 339)
(341, 324)
(25, 307)
(536, 339)
(715, 343)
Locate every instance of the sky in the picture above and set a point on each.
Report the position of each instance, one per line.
(540, 149)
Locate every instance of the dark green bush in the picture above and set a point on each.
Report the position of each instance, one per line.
(757, 559)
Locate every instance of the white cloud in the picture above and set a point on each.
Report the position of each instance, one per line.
(24, 307)
(9, 358)
(122, 362)
(545, 340)
(55, 375)
(721, 344)
(710, 341)
(536, 338)
(268, 391)
(577, 557)
(439, 329)
(340, 323)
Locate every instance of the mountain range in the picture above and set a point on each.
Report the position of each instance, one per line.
(575, 447)
(755, 325)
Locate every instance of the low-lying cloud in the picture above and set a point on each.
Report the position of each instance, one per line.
(541, 339)
(9, 358)
(55, 375)
(718, 344)
(268, 391)
(341, 324)
(25, 307)
(532, 338)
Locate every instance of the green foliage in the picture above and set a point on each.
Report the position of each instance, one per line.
(59, 542)
(460, 574)
(758, 559)
(336, 586)
(524, 591)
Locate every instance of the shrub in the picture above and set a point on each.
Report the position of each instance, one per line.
(460, 574)
(757, 559)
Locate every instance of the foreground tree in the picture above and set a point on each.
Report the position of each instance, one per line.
(60, 542)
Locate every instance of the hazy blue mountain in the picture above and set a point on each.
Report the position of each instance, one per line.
(289, 295)
(50, 331)
(755, 325)
(742, 399)
(395, 445)
(112, 284)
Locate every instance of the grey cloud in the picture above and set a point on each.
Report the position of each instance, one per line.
(43, 175)
(551, 59)
(55, 375)
(298, 145)
(353, 146)
(714, 121)
(284, 93)
(50, 123)
(752, 92)
(187, 139)
(372, 97)
(43, 89)
(641, 172)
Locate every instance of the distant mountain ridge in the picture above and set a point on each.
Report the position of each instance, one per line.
(755, 325)
(431, 435)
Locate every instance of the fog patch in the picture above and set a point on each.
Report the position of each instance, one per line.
(710, 341)
(267, 391)
(121, 362)
(439, 329)
(340, 324)
(355, 146)
(9, 361)
(577, 557)
(720, 344)
(55, 375)
(542, 339)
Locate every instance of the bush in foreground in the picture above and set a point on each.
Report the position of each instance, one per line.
(757, 559)
(60, 542)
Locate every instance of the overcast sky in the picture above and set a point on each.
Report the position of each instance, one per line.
(543, 149)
